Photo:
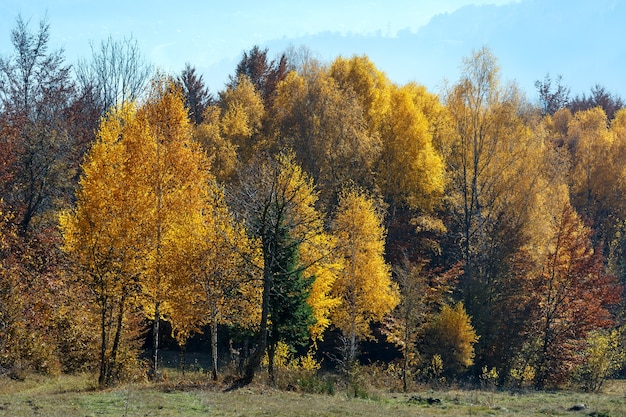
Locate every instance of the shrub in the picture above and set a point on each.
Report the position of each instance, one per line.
(603, 356)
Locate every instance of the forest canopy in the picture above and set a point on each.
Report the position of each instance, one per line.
(307, 206)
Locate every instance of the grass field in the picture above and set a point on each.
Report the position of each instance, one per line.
(69, 396)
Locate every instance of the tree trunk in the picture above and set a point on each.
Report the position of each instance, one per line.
(155, 339)
(103, 347)
(214, 353)
(183, 357)
(405, 366)
(352, 352)
(271, 352)
(257, 356)
(116, 343)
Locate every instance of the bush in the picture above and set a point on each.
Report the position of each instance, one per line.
(603, 357)
(317, 384)
(451, 338)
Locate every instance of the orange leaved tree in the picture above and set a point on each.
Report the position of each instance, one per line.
(572, 295)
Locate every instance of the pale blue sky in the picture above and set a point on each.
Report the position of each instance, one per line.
(204, 33)
(583, 40)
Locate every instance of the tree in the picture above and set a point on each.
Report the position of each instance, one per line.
(289, 313)
(197, 96)
(497, 166)
(277, 200)
(242, 112)
(371, 86)
(405, 119)
(36, 179)
(411, 171)
(422, 292)
(599, 97)
(117, 73)
(598, 152)
(264, 74)
(556, 127)
(327, 129)
(220, 149)
(616, 242)
(102, 234)
(318, 254)
(364, 285)
(30, 292)
(301, 59)
(171, 173)
(409, 125)
(9, 149)
(551, 101)
(592, 183)
(573, 296)
(215, 262)
(35, 92)
(604, 356)
(142, 179)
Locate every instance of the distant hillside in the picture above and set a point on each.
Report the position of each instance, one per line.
(530, 38)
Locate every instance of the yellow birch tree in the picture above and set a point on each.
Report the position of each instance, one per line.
(592, 174)
(102, 234)
(217, 267)
(172, 174)
(411, 171)
(364, 285)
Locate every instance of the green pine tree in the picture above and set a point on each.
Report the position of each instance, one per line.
(290, 315)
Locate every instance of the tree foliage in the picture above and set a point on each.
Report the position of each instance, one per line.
(197, 96)
(214, 269)
(327, 129)
(422, 293)
(277, 199)
(263, 73)
(35, 92)
(101, 234)
(573, 296)
(411, 171)
(308, 203)
(364, 285)
(551, 100)
(142, 179)
(598, 97)
(451, 336)
(497, 167)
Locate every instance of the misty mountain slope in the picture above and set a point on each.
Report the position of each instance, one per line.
(581, 40)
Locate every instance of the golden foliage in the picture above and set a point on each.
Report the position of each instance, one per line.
(101, 234)
(411, 170)
(364, 284)
(453, 338)
(219, 148)
(143, 180)
(604, 355)
(371, 86)
(242, 116)
(327, 128)
(318, 253)
(591, 141)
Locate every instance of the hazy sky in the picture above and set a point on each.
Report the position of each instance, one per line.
(205, 33)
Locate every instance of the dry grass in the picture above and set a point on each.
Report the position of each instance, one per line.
(194, 395)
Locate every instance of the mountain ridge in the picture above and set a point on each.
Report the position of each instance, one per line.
(529, 38)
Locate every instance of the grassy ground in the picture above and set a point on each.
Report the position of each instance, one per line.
(70, 396)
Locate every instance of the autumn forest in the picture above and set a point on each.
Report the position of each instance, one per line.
(310, 213)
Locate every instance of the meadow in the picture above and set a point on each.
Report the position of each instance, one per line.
(193, 394)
